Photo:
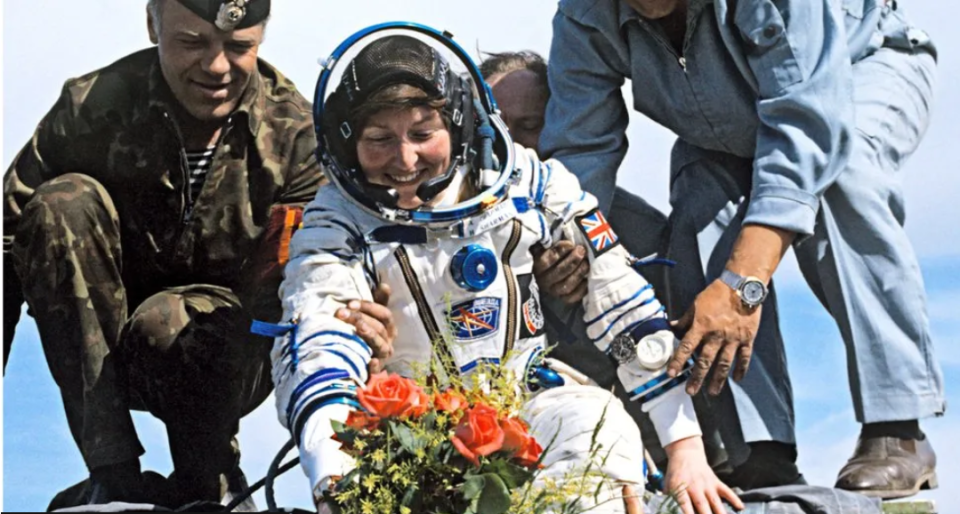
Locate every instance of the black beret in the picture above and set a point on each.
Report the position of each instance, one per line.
(230, 14)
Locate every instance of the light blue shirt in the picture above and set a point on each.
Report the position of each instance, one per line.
(772, 81)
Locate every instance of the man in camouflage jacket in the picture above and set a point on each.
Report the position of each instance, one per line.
(143, 288)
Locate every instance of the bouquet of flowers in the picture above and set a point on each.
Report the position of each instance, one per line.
(420, 448)
(443, 443)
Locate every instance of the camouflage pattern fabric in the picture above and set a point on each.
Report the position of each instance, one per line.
(118, 126)
(69, 261)
(12, 301)
(184, 354)
(143, 296)
(193, 363)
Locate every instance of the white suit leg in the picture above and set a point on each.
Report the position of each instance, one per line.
(569, 416)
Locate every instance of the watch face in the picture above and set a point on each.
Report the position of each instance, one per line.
(654, 351)
(753, 292)
(622, 348)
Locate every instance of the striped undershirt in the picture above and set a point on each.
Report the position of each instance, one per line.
(198, 164)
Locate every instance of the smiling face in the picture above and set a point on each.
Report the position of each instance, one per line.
(207, 69)
(654, 9)
(522, 100)
(402, 148)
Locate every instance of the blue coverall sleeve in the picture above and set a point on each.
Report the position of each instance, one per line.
(586, 118)
(797, 51)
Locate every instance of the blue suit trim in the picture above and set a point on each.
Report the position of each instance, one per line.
(477, 362)
(628, 311)
(620, 304)
(262, 328)
(312, 407)
(334, 387)
(672, 383)
(663, 378)
(324, 375)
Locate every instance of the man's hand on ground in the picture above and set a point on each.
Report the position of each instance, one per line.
(561, 270)
(374, 324)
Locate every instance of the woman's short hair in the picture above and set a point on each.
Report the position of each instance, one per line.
(395, 97)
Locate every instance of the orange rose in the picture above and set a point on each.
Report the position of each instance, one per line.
(517, 439)
(451, 401)
(359, 420)
(529, 454)
(420, 407)
(515, 434)
(392, 396)
(478, 433)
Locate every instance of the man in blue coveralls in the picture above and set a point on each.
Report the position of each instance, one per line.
(794, 119)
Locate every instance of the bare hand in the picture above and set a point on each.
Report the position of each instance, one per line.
(690, 479)
(723, 329)
(561, 271)
(631, 500)
(374, 324)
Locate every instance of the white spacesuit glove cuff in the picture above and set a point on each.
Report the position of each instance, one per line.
(320, 455)
(673, 416)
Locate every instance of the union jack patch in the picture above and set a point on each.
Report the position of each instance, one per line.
(598, 231)
(475, 319)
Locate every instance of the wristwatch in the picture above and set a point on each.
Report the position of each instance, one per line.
(653, 351)
(623, 348)
(751, 290)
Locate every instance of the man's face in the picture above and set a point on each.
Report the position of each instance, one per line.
(207, 69)
(522, 100)
(654, 9)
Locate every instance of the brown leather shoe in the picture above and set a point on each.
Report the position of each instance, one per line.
(889, 467)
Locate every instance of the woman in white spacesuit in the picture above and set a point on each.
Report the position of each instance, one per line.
(433, 199)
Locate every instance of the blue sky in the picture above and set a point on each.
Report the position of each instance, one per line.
(42, 47)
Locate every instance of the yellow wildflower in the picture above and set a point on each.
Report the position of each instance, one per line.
(370, 481)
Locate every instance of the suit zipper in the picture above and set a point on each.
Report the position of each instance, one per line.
(512, 285)
(423, 308)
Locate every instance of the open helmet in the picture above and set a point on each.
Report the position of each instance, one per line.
(404, 53)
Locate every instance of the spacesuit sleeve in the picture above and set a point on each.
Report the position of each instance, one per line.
(618, 299)
(318, 360)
